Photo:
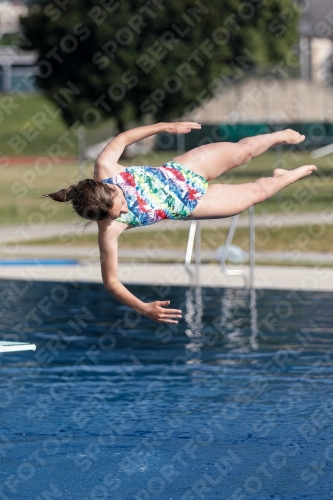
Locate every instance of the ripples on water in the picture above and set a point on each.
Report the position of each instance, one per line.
(234, 402)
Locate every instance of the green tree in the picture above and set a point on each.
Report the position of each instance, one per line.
(151, 59)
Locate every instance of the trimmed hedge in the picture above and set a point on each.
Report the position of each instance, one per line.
(317, 134)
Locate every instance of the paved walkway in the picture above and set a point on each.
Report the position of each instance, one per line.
(165, 275)
(25, 232)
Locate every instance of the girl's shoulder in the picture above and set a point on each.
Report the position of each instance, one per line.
(118, 169)
(109, 172)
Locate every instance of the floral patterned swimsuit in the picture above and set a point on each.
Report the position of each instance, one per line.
(171, 191)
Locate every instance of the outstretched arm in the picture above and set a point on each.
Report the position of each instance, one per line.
(113, 151)
(108, 244)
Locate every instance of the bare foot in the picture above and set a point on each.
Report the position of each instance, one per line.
(291, 136)
(304, 171)
(295, 174)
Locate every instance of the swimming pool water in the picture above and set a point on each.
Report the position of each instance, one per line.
(234, 402)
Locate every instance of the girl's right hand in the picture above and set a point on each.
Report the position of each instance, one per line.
(156, 312)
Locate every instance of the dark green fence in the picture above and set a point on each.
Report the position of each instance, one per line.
(317, 134)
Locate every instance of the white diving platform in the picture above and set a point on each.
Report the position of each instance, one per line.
(16, 346)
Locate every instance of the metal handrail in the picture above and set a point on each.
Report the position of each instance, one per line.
(252, 246)
(194, 235)
(248, 279)
(225, 251)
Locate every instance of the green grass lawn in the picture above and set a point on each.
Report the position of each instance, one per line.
(18, 115)
(31, 125)
(20, 191)
(21, 186)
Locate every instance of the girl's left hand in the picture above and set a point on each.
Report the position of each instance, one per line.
(181, 127)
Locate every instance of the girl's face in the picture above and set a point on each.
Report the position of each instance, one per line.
(119, 204)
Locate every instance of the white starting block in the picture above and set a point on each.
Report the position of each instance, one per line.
(16, 346)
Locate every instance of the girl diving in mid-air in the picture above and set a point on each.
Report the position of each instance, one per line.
(120, 198)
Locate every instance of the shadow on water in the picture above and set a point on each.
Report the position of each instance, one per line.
(233, 402)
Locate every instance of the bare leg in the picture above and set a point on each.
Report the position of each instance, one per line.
(213, 160)
(226, 200)
(260, 143)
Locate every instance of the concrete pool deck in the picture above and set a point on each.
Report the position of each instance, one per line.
(266, 277)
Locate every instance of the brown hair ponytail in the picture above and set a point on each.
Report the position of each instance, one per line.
(91, 199)
(63, 195)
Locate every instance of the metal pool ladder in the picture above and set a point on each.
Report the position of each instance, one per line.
(194, 236)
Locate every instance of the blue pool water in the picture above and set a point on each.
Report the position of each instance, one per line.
(235, 402)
